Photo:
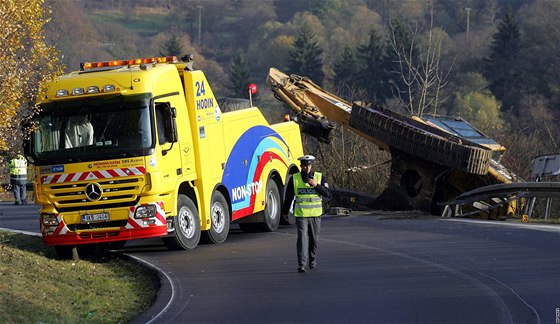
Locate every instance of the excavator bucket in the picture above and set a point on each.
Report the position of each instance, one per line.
(310, 119)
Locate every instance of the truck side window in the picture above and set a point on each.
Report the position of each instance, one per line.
(160, 122)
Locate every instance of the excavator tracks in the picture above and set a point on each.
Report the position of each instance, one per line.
(420, 140)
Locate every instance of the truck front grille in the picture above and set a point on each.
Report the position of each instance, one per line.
(114, 192)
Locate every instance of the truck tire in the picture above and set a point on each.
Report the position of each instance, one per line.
(64, 252)
(186, 225)
(290, 219)
(272, 208)
(220, 218)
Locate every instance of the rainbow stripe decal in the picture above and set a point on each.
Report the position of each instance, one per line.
(242, 175)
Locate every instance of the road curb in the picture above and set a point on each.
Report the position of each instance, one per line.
(164, 297)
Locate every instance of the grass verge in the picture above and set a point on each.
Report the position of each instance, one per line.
(37, 288)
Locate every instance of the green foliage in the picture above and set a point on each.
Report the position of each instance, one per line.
(469, 82)
(480, 109)
(502, 64)
(285, 9)
(172, 47)
(239, 75)
(541, 36)
(372, 72)
(305, 58)
(472, 100)
(344, 72)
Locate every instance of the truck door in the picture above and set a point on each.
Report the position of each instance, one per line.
(168, 149)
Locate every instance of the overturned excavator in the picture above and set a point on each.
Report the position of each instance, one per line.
(433, 160)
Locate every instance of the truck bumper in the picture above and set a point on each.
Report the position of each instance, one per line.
(59, 233)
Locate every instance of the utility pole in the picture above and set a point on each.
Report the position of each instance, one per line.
(468, 22)
(199, 25)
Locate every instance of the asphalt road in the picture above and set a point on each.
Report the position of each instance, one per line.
(372, 268)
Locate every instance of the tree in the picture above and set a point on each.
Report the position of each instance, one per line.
(502, 69)
(344, 72)
(420, 70)
(372, 76)
(239, 75)
(172, 47)
(305, 57)
(285, 9)
(541, 36)
(480, 109)
(26, 63)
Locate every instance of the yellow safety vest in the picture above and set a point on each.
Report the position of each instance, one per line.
(308, 202)
(18, 170)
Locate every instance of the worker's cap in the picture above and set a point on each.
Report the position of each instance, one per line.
(306, 159)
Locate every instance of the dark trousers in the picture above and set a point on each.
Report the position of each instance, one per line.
(308, 229)
(20, 194)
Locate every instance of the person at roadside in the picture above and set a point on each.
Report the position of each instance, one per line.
(308, 188)
(18, 179)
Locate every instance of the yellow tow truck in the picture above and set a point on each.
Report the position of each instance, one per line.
(140, 148)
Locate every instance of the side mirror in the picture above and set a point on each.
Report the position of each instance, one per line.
(171, 124)
(28, 151)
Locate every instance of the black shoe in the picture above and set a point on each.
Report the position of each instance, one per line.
(301, 269)
(16, 203)
(312, 264)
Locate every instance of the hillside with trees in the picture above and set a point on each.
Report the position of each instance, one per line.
(494, 62)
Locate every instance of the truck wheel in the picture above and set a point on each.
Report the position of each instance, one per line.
(220, 218)
(186, 225)
(112, 245)
(271, 208)
(291, 220)
(64, 252)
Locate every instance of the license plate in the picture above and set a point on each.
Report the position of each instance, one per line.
(88, 218)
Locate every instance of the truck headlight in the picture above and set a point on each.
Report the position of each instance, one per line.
(146, 211)
(49, 219)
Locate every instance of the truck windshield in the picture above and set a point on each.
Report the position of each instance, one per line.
(92, 130)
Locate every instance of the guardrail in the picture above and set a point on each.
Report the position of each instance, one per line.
(486, 199)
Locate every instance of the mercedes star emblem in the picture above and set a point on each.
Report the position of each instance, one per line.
(93, 191)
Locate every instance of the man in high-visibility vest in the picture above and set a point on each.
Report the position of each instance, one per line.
(18, 179)
(308, 188)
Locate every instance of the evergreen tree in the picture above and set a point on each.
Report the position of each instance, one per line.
(239, 75)
(344, 72)
(501, 67)
(172, 47)
(372, 75)
(305, 58)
